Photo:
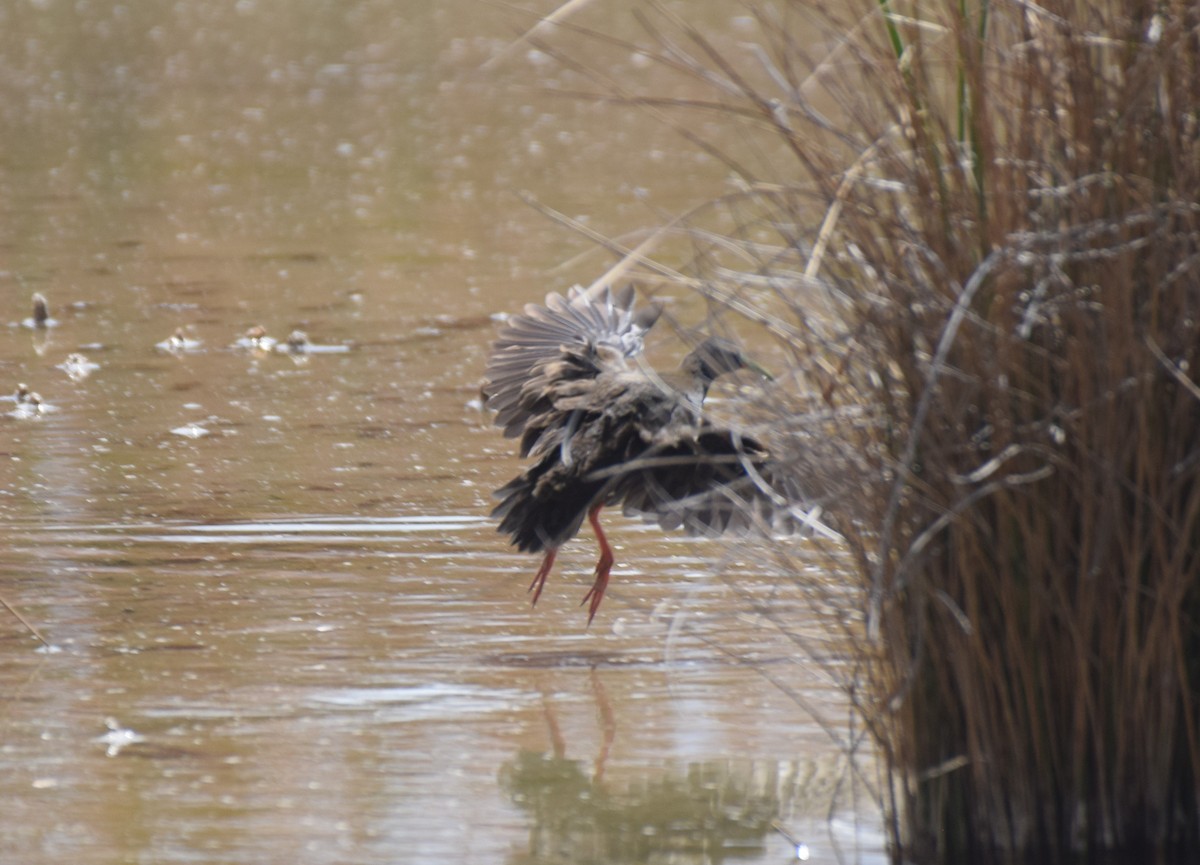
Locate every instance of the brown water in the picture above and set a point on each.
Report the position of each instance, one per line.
(284, 629)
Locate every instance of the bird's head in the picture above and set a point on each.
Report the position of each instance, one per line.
(716, 356)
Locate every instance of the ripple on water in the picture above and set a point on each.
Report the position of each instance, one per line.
(316, 530)
(425, 701)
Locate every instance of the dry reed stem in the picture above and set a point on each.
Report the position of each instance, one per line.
(974, 231)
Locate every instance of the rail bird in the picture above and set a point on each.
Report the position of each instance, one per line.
(603, 430)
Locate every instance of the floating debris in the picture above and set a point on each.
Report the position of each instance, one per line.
(118, 737)
(191, 431)
(46, 644)
(40, 320)
(256, 339)
(78, 367)
(178, 343)
(803, 853)
(298, 343)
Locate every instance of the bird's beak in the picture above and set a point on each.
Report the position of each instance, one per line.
(760, 370)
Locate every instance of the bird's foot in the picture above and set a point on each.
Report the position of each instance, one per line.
(539, 579)
(596, 592)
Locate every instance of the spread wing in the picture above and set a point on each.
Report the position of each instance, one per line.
(554, 351)
(710, 482)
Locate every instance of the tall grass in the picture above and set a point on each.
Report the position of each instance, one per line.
(974, 228)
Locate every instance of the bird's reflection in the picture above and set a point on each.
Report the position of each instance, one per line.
(608, 726)
(702, 812)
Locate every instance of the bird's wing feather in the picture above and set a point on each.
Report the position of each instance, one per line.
(709, 482)
(549, 348)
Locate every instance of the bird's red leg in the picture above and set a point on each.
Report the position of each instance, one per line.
(603, 566)
(539, 579)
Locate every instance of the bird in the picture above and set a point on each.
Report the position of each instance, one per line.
(40, 319)
(256, 340)
(178, 343)
(296, 343)
(601, 430)
(41, 312)
(78, 367)
(28, 403)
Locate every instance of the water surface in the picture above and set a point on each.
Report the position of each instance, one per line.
(283, 628)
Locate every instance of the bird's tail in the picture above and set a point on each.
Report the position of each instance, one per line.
(537, 516)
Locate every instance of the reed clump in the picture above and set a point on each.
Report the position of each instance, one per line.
(974, 229)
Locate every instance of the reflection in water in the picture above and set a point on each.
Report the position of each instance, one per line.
(711, 811)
